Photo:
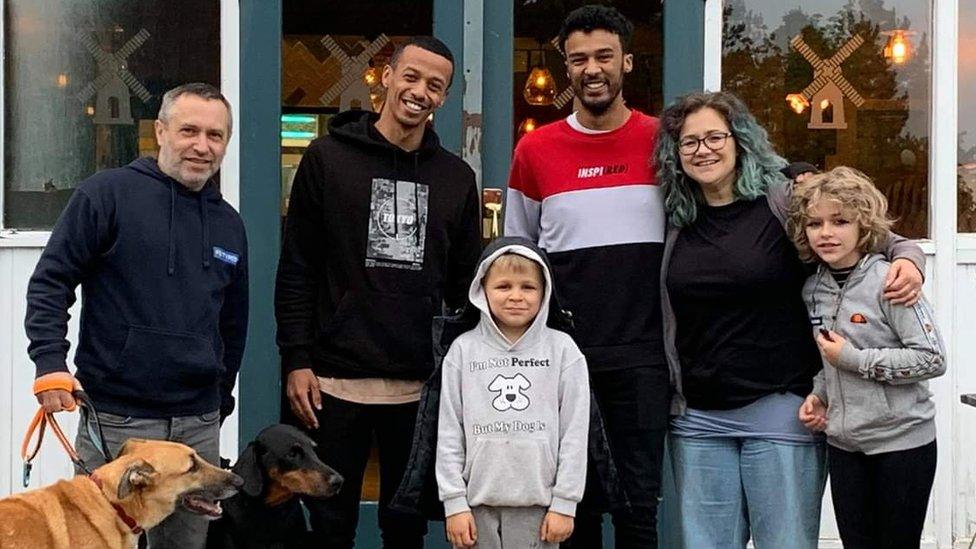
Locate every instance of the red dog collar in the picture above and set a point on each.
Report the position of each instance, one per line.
(129, 521)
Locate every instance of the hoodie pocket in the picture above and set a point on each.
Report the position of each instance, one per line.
(511, 472)
(381, 332)
(170, 366)
(868, 411)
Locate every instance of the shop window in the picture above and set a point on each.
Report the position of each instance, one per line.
(82, 86)
(542, 93)
(840, 83)
(967, 117)
(332, 57)
(332, 60)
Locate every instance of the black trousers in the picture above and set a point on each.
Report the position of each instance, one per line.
(635, 403)
(344, 437)
(880, 500)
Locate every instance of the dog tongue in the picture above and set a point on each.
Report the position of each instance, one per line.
(205, 506)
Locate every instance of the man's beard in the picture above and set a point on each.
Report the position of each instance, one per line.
(600, 106)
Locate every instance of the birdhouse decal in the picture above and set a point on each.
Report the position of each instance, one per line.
(825, 95)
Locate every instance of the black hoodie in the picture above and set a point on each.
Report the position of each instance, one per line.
(163, 274)
(376, 239)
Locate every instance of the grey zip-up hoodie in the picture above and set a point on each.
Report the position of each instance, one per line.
(513, 422)
(877, 397)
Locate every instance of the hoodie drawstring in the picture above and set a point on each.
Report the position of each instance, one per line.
(205, 225)
(416, 202)
(206, 231)
(171, 260)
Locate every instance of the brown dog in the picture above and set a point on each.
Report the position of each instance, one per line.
(135, 491)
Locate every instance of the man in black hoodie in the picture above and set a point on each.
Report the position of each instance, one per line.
(162, 263)
(382, 231)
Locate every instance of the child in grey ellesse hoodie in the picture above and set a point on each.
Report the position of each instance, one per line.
(514, 414)
(871, 397)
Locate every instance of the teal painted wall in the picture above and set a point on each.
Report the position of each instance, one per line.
(684, 43)
(449, 27)
(259, 400)
(496, 96)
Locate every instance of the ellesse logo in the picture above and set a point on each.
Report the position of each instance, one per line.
(858, 318)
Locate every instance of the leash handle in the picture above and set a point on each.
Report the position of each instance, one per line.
(39, 424)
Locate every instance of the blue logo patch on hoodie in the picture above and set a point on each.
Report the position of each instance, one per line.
(225, 256)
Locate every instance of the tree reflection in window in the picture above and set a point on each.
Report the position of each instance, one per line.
(887, 136)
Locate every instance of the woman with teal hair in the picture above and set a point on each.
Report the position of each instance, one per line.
(737, 335)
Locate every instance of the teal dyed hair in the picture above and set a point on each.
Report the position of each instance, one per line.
(757, 164)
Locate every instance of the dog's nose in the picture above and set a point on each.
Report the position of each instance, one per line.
(236, 480)
(335, 483)
(511, 398)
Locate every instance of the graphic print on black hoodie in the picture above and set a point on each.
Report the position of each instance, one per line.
(377, 240)
(397, 224)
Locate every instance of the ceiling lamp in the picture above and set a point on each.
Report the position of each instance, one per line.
(540, 87)
(797, 102)
(898, 49)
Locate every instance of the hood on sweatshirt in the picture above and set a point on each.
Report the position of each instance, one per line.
(209, 193)
(478, 297)
(359, 127)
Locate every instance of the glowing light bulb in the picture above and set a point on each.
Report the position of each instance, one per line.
(797, 102)
(540, 87)
(898, 48)
(527, 125)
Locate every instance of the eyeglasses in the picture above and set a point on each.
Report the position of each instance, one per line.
(713, 142)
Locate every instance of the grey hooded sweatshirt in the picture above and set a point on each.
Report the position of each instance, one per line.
(877, 397)
(513, 421)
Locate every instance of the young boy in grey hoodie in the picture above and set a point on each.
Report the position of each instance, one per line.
(514, 414)
(871, 397)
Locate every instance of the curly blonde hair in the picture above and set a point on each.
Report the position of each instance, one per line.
(856, 195)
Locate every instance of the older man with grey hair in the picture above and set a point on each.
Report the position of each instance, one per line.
(161, 260)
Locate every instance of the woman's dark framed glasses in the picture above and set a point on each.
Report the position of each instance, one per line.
(713, 142)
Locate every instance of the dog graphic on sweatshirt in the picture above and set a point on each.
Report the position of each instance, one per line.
(509, 391)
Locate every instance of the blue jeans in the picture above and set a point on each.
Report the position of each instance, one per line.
(729, 488)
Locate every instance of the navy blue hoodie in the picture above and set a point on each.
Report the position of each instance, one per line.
(163, 275)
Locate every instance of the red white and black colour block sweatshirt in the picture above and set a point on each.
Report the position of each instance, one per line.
(592, 202)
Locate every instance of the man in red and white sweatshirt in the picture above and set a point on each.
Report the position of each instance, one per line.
(584, 190)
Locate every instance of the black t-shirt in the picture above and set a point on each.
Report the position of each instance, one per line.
(735, 285)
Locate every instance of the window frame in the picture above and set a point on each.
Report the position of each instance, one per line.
(229, 85)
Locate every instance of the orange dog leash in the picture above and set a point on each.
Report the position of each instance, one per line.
(42, 419)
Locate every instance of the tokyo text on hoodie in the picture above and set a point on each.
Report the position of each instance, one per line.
(163, 275)
(376, 239)
(514, 417)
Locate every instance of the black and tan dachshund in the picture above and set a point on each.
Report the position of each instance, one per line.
(279, 467)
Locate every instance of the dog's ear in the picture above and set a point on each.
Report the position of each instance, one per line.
(497, 384)
(523, 382)
(136, 476)
(248, 466)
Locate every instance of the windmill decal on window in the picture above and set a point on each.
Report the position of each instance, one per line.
(568, 94)
(825, 95)
(351, 88)
(114, 82)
